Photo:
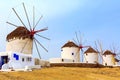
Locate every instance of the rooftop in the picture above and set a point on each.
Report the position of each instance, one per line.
(108, 52)
(90, 50)
(70, 44)
(20, 32)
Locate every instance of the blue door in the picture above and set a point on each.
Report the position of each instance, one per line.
(3, 59)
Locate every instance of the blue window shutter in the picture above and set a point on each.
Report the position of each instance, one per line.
(14, 55)
(17, 57)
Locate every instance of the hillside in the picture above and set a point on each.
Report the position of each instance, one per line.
(64, 73)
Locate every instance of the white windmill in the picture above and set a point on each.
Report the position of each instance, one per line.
(70, 51)
(23, 37)
(19, 48)
(109, 58)
(114, 49)
(91, 56)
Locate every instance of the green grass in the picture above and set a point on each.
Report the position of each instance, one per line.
(64, 73)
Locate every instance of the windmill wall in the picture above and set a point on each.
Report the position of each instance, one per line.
(109, 60)
(72, 53)
(20, 45)
(91, 57)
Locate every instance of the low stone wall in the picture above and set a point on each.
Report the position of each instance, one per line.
(85, 65)
(43, 63)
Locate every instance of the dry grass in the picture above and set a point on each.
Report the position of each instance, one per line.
(64, 73)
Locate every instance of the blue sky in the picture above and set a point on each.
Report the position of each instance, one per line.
(96, 19)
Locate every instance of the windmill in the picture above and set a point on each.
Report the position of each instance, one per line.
(106, 57)
(79, 42)
(24, 37)
(114, 49)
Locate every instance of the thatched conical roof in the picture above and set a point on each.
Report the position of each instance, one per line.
(90, 50)
(70, 44)
(108, 52)
(20, 32)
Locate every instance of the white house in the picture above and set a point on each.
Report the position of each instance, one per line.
(90, 56)
(108, 58)
(14, 61)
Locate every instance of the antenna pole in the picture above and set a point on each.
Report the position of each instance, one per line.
(26, 15)
(18, 17)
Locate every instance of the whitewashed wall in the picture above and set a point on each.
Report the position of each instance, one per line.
(109, 60)
(68, 51)
(91, 58)
(43, 63)
(16, 45)
(60, 60)
(20, 64)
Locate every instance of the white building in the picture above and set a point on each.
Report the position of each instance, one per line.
(70, 53)
(61, 60)
(90, 56)
(19, 40)
(14, 61)
(108, 58)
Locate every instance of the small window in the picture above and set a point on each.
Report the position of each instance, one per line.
(86, 54)
(29, 59)
(95, 62)
(62, 60)
(23, 59)
(61, 50)
(105, 64)
(72, 53)
(73, 61)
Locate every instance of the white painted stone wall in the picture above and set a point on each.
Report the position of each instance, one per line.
(60, 60)
(72, 53)
(43, 63)
(108, 60)
(20, 64)
(91, 58)
(16, 45)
